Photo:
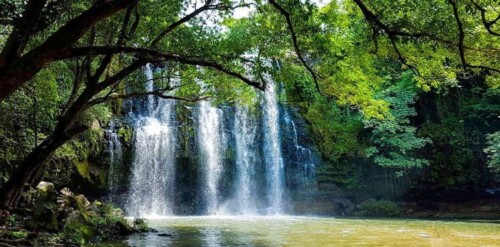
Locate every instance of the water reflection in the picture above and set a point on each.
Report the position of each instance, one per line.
(203, 231)
(212, 237)
(311, 231)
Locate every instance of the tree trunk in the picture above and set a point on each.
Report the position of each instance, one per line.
(15, 73)
(11, 192)
(27, 172)
(34, 163)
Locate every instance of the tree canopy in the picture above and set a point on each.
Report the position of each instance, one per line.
(64, 64)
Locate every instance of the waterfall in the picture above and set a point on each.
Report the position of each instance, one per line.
(303, 155)
(115, 155)
(152, 181)
(216, 173)
(245, 138)
(210, 143)
(272, 150)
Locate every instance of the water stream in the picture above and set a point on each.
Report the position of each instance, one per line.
(245, 136)
(210, 141)
(272, 150)
(312, 231)
(152, 182)
(227, 160)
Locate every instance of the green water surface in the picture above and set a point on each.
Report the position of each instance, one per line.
(312, 231)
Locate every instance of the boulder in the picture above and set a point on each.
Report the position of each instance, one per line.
(95, 125)
(45, 187)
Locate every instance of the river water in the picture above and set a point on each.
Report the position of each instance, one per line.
(311, 231)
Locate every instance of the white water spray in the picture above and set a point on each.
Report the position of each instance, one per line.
(245, 137)
(210, 143)
(152, 183)
(272, 150)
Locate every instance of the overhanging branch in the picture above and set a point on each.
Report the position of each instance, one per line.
(460, 45)
(184, 19)
(487, 24)
(217, 66)
(158, 93)
(461, 34)
(150, 55)
(288, 18)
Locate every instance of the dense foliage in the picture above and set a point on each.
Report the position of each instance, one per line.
(68, 219)
(493, 150)
(394, 138)
(406, 88)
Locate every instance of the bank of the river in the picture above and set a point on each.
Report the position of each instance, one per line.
(471, 210)
(313, 231)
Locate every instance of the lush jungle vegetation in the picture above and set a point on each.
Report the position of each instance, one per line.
(402, 98)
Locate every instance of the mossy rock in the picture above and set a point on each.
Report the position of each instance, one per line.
(77, 231)
(45, 210)
(45, 187)
(91, 172)
(94, 222)
(83, 169)
(126, 134)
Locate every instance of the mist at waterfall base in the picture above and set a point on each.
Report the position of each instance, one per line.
(201, 159)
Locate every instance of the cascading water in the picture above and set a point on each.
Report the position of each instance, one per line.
(272, 150)
(245, 137)
(210, 142)
(115, 155)
(152, 181)
(233, 162)
(303, 155)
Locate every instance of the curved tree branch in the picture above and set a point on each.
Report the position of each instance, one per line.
(150, 55)
(184, 19)
(461, 34)
(393, 33)
(401, 58)
(20, 70)
(158, 93)
(487, 24)
(288, 18)
(371, 17)
(217, 66)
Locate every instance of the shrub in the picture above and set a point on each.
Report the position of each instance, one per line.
(13, 234)
(379, 208)
(141, 225)
(98, 222)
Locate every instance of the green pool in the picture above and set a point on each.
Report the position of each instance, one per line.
(312, 231)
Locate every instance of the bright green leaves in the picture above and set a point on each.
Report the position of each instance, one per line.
(426, 35)
(493, 151)
(335, 128)
(395, 141)
(344, 61)
(493, 81)
(298, 83)
(351, 88)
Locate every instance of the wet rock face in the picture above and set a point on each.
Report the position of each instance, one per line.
(325, 204)
(259, 161)
(299, 158)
